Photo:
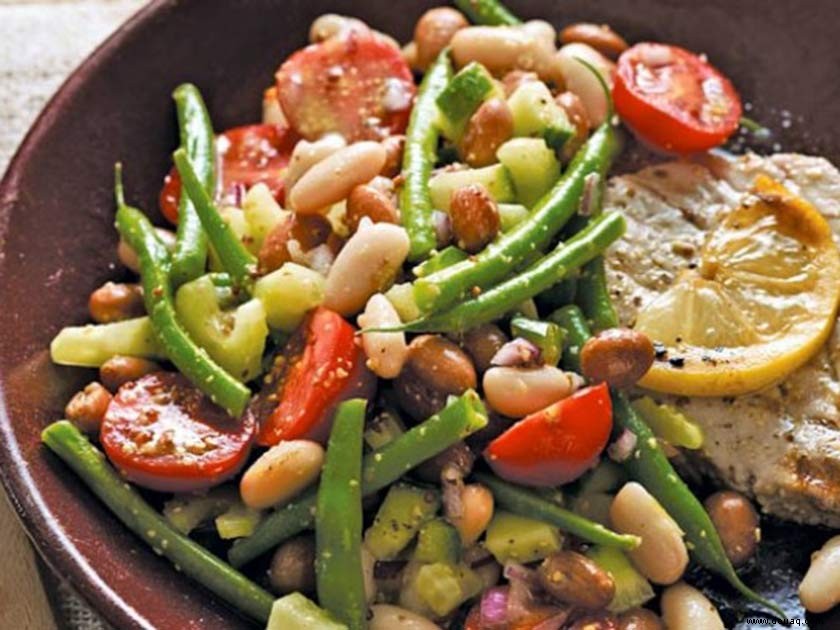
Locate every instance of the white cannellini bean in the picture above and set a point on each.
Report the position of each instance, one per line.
(367, 264)
(331, 24)
(386, 352)
(128, 256)
(281, 472)
(387, 617)
(580, 80)
(504, 48)
(331, 180)
(686, 608)
(307, 154)
(820, 588)
(543, 31)
(518, 391)
(662, 555)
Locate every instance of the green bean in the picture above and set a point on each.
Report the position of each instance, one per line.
(571, 319)
(236, 260)
(421, 140)
(338, 528)
(549, 270)
(489, 12)
(192, 361)
(649, 466)
(443, 288)
(65, 440)
(593, 296)
(526, 502)
(199, 141)
(460, 418)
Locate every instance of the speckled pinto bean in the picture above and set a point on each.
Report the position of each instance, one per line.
(113, 302)
(474, 216)
(434, 31)
(87, 408)
(737, 524)
(365, 200)
(488, 129)
(600, 36)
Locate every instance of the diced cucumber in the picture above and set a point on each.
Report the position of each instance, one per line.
(234, 339)
(297, 612)
(238, 521)
(92, 345)
(383, 429)
(438, 541)
(595, 506)
(401, 297)
(186, 512)
(441, 260)
(669, 423)
(547, 336)
(536, 115)
(511, 537)
(288, 293)
(631, 588)
(435, 590)
(494, 178)
(533, 167)
(511, 215)
(607, 476)
(235, 218)
(405, 509)
(459, 100)
(262, 213)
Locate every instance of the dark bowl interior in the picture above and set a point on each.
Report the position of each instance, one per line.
(57, 241)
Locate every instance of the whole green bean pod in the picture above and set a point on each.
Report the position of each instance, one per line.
(445, 287)
(68, 443)
(459, 419)
(192, 361)
(525, 502)
(493, 303)
(489, 12)
(236, 259)
(199, 141)
(649, 466)
(338, 526)
(593, 296)
(421, 140)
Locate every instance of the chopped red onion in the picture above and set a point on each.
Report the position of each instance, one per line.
(493, 611)
(589, 195)
(443, 228)
(516, 353)
(523, 584)
(452, 483)
(623, 447)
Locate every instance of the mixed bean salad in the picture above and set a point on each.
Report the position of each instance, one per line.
(377, 362)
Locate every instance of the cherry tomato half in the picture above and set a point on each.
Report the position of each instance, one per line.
(320, 367)
(556, 445)
(162, 433)
(246, 155)
(356, 84)
(673, 99)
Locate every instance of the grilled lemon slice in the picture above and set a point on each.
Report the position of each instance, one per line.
(761, 302)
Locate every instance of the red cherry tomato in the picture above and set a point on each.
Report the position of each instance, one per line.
(164, 434)
(556, 445)
(320, 367)
(356, 84)
(673, 99)
(247, 155)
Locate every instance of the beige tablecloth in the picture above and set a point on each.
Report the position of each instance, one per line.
(41, 41)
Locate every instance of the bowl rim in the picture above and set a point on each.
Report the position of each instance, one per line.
(50, 541)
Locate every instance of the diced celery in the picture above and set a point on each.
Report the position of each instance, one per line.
(238, 521)
(262, 213)
(494, 178)
(296, 612)
(547, 336)
(383, 429)
(511, 215)
(631, 588)
(186, 512)
(438, 541)
(462, 96)
(401, 297)
(669, 423)
(436, 589)
(441, 260)
(533, 167)
(92, 345)
(511, 537)
(234, 339)
(235, 218)
(288, 293)
(399, 518)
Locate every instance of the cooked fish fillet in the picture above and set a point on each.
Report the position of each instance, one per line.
(781, 445)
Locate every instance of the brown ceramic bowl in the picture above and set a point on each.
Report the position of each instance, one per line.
(57, 241)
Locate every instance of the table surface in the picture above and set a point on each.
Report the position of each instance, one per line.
(41, 42)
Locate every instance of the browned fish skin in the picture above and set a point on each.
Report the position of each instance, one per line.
(781, 445)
